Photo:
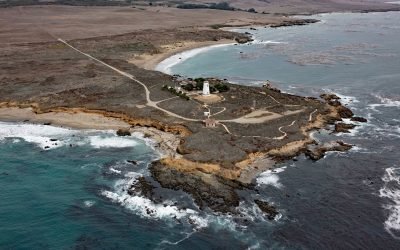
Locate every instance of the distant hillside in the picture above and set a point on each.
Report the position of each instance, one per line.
(260, 6)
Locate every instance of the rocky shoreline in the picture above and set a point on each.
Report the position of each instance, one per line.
(209, 190)
(218, 193)
(210, 164)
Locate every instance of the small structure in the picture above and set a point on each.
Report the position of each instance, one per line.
(206, 88)
(210, 123)
(267, 84)
(206, 114)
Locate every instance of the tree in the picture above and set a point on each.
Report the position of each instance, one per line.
(221, 87)
(188, 87)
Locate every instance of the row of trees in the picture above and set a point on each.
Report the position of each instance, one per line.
(217, 6)
(220, 87)
(175, 92)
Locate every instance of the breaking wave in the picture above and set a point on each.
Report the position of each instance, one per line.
(385, 102)
(44, 136)
(391, 191)
(51, 137)
(101, 141)
(270, 177)
(194, 219)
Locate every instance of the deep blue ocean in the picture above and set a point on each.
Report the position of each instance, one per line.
(73, 195)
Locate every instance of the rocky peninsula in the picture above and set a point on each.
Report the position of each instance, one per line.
(97, 80)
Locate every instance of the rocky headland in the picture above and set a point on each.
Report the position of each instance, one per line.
(96, 80)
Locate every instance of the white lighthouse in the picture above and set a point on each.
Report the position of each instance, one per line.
(206, 88)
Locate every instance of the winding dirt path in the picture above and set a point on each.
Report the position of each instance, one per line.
(149, 103)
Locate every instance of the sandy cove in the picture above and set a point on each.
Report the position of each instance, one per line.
(150, 61)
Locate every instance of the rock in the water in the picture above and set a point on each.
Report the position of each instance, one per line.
(344, 112)
(268, 209)
(216, 193)
(123, 132)
(343, 127)
(329, 97)
(132, 162)
(142, 187)
(243, 39)
(316, 153)
(358, 119)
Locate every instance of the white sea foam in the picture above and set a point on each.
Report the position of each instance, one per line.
(359, 149)
(40, 135)
(344, 99)
(166, 65)
(391, 190)
(115, 171)
(100, 141)
(50, 137)
(270, 177)
(256, 41)
(169, 212)
(88, 203)
(145, 207)
(385, 102)
(91, 165)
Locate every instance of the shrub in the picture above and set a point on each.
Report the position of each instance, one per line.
(221, 87)
(188, 87)
(213, 89)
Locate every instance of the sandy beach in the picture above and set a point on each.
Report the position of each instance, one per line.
(150, 61)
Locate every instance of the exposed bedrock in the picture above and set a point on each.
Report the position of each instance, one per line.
(207, 190)
(269, 210)
(315, 152)
(343, 127)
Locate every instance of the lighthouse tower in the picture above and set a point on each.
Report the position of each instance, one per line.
(206, 88)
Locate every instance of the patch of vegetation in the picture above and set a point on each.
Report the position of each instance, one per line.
(175, 92)
(221, 87)
(199, 83)
(188, 87)
(216, 6)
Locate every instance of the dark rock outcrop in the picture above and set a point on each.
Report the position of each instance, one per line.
(315, 153)
(344, 112)
(268, 209)
(142, 187)
(243, 39)
(123, 132)
(343, 127)
(358, 119)
(216, 193)
(329, 97)
(294, 23)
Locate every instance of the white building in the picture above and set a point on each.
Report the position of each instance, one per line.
(206, 88)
